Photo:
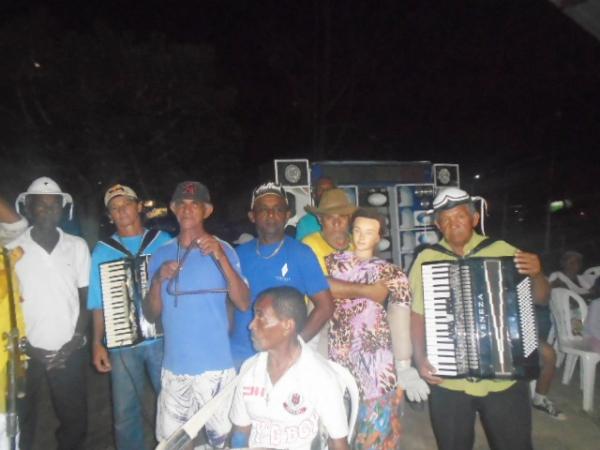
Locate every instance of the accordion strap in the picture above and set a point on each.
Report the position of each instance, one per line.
(148, 238)
(483, 244)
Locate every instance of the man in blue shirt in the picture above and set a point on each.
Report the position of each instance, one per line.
(126, 364)
(274, 259)
(192, 276)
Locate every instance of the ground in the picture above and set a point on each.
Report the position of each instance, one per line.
(580, 431)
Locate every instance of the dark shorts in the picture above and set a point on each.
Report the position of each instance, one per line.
(544, 321)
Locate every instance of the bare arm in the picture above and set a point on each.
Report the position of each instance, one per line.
(322, 312)
(84, 314)
(239, 294)
(239, 436)
(7, 213)
(339, 444)
(153, 304)
(417, 334)
(100, 357)
(378, 292)
(529, 264)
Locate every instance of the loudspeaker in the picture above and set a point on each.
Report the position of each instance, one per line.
(292, 172)
(446, 175)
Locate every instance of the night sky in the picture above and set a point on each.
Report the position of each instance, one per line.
(507, 89)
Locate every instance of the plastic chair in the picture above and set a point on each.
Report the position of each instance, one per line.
(591, 274)
(580, 289)
(348, 383)
(575, 347)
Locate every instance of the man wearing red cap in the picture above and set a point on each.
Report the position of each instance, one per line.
(192, 277)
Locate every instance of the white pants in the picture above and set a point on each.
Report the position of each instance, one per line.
(182, 396)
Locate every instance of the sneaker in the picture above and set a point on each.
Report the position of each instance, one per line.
(548, 407)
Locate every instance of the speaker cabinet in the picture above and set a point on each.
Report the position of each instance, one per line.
(446, 175)
(292, 172)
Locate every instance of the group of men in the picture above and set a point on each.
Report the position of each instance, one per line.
(217, 306)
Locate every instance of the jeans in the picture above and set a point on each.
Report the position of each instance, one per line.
(505, 416)
(69, 398)
(128, 377)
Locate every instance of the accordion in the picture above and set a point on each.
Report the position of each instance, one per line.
(479, 319)
(124, 283)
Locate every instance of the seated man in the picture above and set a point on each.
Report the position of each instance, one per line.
(571, 263)
(287, 389)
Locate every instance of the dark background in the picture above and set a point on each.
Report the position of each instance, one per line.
(153, 92)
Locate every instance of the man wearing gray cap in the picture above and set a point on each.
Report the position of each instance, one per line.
(127, 364)
(503, 405)
(192, 277)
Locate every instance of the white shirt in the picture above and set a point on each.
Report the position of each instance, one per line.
(287, 415)
(10, 231)
(49, 283)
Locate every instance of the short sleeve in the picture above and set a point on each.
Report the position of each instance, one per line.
(331, 409)
(397, 283)
(10, 231)
(238, 413)
(234, 259)
(94, 300)
(312, 274)
(415, 280)
(83, 264)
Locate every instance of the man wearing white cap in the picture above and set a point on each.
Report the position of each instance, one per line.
(503, 405)
(53, 274)
(128, 365)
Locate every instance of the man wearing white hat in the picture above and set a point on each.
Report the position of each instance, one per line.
(503, 405)
(53, 274)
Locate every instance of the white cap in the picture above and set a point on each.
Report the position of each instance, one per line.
(451, 197)
(45, 186)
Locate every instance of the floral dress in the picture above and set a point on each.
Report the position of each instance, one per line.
(360, 340)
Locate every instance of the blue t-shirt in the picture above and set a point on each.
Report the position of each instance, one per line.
(103, 253)
(308, 224)
(195, 326)
(295, 265)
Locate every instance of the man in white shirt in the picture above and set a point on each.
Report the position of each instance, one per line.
(53, 274)
(287, 390)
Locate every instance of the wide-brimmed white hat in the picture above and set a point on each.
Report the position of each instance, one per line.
(45, 186)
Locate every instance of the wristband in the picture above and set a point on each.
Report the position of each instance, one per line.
(239, 439)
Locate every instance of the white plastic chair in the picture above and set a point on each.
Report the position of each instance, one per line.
(348, 383)
(581, 288)
(591, 274)
(575, 347)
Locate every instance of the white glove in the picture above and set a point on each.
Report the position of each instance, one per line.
(416, 388)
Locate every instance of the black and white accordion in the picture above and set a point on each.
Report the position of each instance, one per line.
(124, 283)
(480, 319)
